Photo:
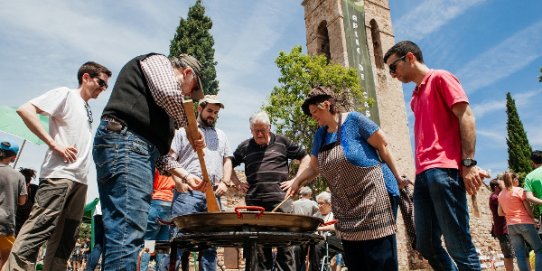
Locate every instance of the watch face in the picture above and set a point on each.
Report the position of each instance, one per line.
(468, 162)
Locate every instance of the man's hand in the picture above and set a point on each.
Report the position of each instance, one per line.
(180, 186)
(472, 178)
(69, 154)
(197, 141)
(221, 189)
(195, 182)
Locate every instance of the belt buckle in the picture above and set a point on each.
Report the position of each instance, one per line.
(114, 126)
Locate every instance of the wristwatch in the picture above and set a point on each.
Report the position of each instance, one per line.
(469, 162)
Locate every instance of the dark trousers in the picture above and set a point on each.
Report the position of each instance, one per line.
(369, 255)
(285, 255)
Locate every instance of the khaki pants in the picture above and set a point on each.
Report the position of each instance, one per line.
(55, 218)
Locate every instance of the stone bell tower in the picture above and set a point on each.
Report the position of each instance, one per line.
(356, 33)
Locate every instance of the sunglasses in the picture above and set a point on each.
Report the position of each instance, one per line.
(393, 65)
(101, 82)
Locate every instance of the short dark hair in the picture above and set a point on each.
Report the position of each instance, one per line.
(536, 157)
(404, 47)
(93, 69)
(6, 154)
(28, 173)
(493, 184)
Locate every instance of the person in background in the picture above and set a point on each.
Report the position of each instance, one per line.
(521, 226)
(24, 211)
(334, 243)
(445, 140)
(499, 228)
(97, 250)
(137, 125)
(160, 210)
(12, 194)
(352, 153)
(305, 205)
(533, 183)
(182, 162)
(266, 156)
(60, 201)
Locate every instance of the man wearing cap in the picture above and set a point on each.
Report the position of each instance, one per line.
(182, 162)
(12, 193)
(60, 200)
(137, 125)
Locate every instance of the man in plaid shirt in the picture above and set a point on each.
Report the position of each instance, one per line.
(137, 126)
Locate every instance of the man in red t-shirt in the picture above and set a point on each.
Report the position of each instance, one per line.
(445, 137)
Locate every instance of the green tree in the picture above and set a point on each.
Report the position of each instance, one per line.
(193, 37)
(540, 77)
(299, 73)
(519, 149)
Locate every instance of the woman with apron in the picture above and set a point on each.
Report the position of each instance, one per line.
(347, 150)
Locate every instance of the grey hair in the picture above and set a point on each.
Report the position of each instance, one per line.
(325, 196)
(305, 191)
(259, 117)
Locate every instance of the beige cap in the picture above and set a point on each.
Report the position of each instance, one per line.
(211, 99)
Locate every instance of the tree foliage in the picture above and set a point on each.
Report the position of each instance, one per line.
(299, 73)
(540, 77)
(193, 37)
(519, 150)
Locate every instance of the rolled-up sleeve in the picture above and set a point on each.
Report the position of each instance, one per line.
(165, 88)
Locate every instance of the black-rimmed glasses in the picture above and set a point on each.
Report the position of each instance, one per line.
(101, 82)
(393, 65)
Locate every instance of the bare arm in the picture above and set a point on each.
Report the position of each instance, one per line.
(378, 141)
(467, 128)
(303, 164)
(22, 199)
(531, 198)
(500, 211)
(226, 177)
(528, 208)
(304, 175)
(29, 114)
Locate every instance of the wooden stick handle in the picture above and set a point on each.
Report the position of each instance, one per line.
(192, 132)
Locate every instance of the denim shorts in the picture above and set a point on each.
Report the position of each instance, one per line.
(506, 246)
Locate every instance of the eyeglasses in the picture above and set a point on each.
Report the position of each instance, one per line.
(101, 82)
(393, 65)
(89, 114)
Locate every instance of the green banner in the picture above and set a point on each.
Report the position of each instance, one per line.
(358, 52)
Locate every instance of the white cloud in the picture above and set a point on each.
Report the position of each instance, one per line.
(522, 99)
(429, 16)
(494, 135)
(502, 60)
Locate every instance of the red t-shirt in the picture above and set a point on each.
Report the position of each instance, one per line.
(436, 128)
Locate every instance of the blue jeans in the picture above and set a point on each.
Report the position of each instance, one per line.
(440, 209)
(159, 209)
(188, 203)
(521, 233)
(96, 252)
(124, 168)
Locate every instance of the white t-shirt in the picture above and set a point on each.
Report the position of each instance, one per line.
(68, 126)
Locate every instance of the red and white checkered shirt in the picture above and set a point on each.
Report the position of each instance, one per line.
(165, 88)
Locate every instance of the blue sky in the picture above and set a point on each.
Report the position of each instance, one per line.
(492, 46)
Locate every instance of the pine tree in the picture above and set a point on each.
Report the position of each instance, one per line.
(193, 37)
(519, 150)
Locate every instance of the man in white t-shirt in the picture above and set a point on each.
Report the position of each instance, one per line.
(60, 200)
